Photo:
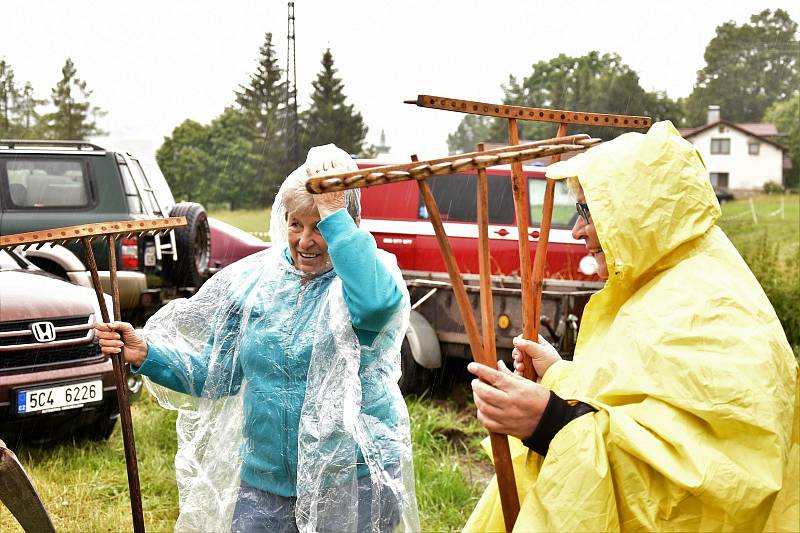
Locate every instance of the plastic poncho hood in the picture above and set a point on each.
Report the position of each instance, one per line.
(286, 321)
(695, 385)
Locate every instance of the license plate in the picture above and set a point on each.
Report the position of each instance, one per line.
(150, 256)
(59, 397)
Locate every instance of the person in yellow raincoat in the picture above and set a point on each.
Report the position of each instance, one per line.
(680, 409)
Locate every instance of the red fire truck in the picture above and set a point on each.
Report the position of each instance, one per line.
(398, 219)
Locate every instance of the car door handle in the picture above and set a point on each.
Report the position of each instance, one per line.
(502, 232)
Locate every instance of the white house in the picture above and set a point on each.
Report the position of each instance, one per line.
(738, 156)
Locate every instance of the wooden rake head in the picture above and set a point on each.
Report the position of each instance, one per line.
(93, 231)
(419, 170)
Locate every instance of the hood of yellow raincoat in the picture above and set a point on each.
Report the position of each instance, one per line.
(640, 210)
(682, 356)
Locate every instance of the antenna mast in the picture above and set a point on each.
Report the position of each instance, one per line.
(291, 90)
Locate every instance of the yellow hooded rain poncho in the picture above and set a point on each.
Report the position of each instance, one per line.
(681, 354)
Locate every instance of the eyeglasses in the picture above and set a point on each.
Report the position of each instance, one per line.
(583, 211)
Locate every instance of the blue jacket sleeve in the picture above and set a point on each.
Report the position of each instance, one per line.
(370, 291)
(188, 373)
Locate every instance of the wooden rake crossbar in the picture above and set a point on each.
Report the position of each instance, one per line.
(109, 231)
(91, 231)
(539, 114)
(447, 165)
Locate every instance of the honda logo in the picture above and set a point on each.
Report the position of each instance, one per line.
(43, 331)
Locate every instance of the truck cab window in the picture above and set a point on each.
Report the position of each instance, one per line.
(131, 193)
(455, 195)
(40, 183)
(564, 214)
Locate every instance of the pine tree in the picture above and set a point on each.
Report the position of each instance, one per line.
(26, 115)
(329, 119)
(74, 117)
(261, 102)
(9, 96)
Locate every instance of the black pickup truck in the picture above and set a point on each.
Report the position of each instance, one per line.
(46, 184)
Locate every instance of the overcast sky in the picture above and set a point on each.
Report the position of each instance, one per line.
(154, 63)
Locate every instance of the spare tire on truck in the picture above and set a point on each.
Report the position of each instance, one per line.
(194, 247)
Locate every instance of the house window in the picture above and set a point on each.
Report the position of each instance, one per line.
(720, 146)
(722, 129)
(719, 180)
(752, 148)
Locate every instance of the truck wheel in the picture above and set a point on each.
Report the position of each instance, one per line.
(194, 247)
(414, 378)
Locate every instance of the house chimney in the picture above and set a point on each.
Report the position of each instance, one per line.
(713, 114)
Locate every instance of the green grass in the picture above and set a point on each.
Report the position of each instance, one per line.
(450, 466)
(251, 220)
(84, 487)
(777, 218)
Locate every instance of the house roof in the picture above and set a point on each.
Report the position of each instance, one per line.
(760, 130)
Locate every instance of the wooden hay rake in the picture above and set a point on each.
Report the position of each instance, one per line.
(106, 232)
(532, 278)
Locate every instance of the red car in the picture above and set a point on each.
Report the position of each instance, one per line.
(53, 379)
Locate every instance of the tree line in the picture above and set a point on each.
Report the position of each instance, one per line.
(72, 116)
(751, 72)
(243, 155)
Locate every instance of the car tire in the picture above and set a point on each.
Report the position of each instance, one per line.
(102, 429)
(414, 378)
(194, 247)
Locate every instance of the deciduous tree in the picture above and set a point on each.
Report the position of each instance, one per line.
(748, 67)
(232, 172)
(600, 83)
(186, 161)
(786, 117)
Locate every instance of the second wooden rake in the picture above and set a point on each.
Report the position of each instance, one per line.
(108, 232)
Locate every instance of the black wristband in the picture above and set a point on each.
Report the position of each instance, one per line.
(556, 415)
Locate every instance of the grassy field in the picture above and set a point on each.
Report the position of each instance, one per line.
(84, 488)
(252, 220)
(774, 218)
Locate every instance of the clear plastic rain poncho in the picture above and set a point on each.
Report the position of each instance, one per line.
(695, 385)
(240, 348)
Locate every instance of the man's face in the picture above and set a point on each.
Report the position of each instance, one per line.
(308, 249)
(587, 232)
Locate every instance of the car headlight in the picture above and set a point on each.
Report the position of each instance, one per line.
(587, 265)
